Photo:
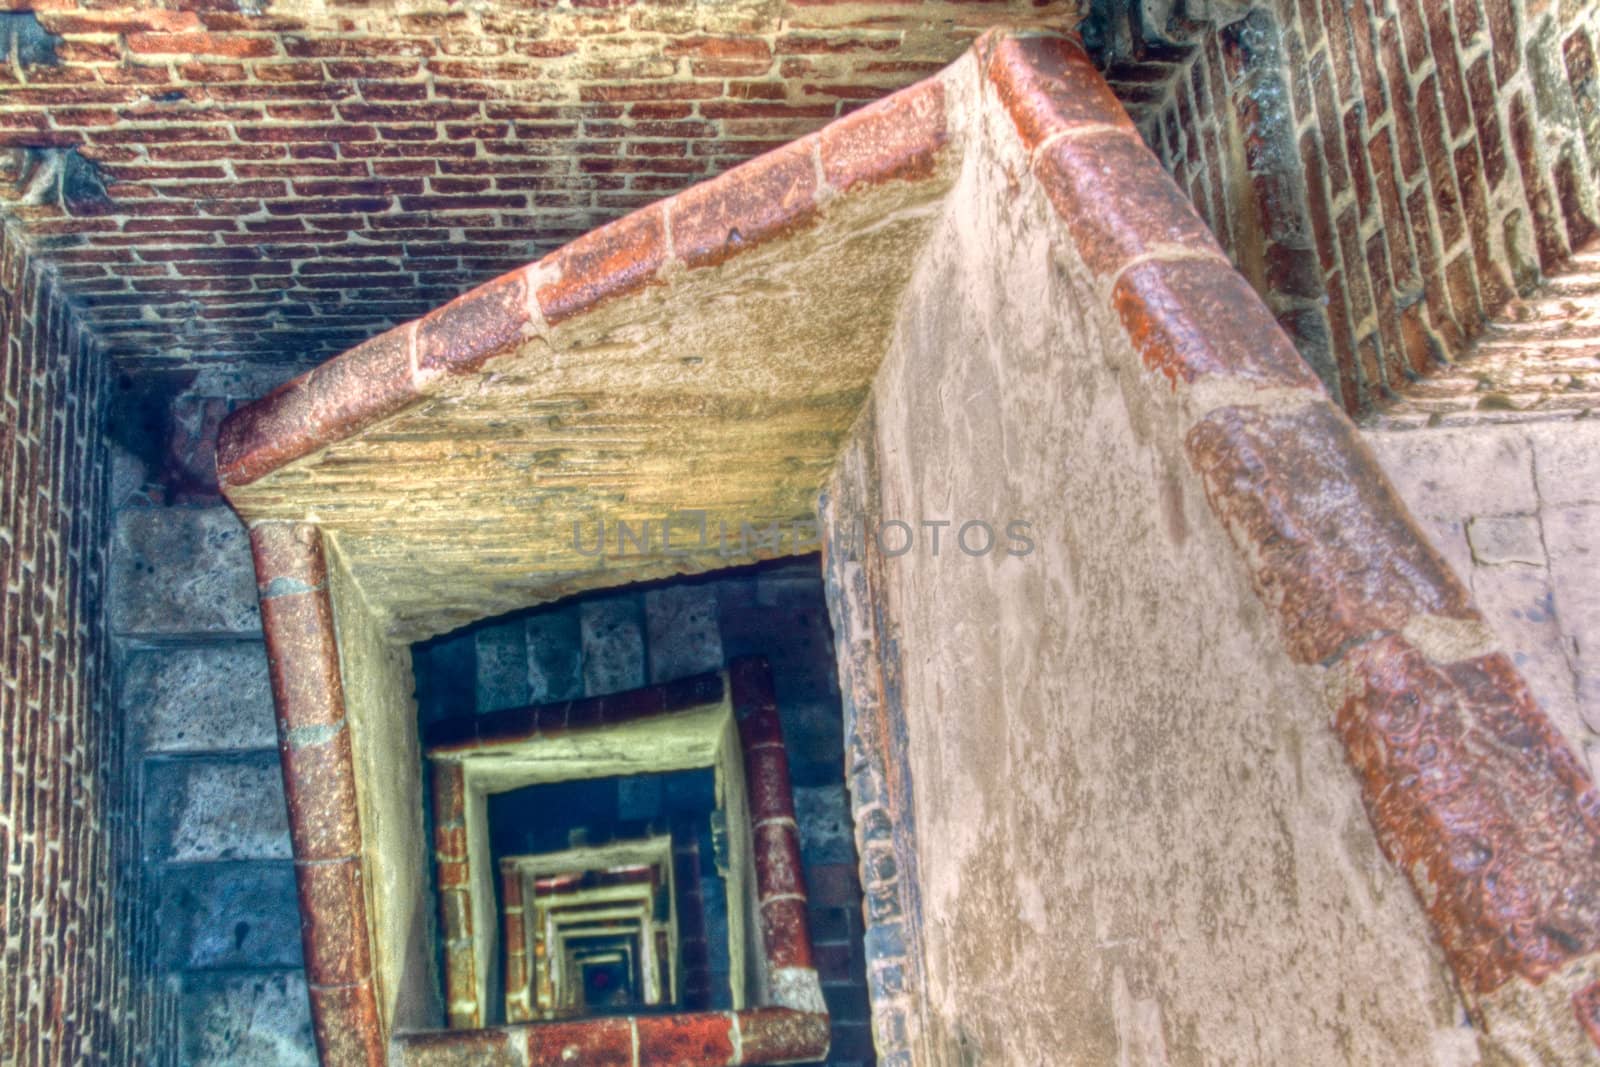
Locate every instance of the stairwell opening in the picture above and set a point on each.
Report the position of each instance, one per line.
(601, 813)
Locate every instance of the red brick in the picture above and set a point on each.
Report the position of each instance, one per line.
(345, 1025)
(464, 334)
(1192, 319)
(320, 787)
(1049, 86)
(784, 933)
(303, 660)
(208, 44)
(601, 1042)
(776, 851)
(333, 922)
(610, 262)
(701, 1038)
(1477, 798)
(899, 137)
(778, 1035)
(1333, 552)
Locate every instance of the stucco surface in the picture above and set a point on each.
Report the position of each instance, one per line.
(382, 715)
(1139, 842)
(723, 390)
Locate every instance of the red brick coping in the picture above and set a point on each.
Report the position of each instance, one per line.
(793, 1029)
(1470, 790)
(899, 137)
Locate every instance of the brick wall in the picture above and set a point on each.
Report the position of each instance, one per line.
(282, 185)
(615, 641)
(73, 973)
(1387, 172)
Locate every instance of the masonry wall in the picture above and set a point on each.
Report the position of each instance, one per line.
(74, 972)
(1132, 837)
(195, 697)
(1387, 173)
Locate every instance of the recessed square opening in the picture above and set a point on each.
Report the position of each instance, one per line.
(596, 852)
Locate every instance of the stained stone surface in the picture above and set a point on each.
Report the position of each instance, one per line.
(462, 503)
(182, 571)
(502, 676)
(684, 638)
(228, 808)
(827, 834)
(555, 655)
(216, 916)
(200, 698)
(613, 644)
(246, 1020)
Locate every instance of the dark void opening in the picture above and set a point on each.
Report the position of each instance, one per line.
(612, 923)
(654, 633)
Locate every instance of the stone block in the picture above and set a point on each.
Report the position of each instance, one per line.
(613, 645)
(1506, 539)
(246, 1020)
(555, 655)
(216, 916)
(1572, 535)
(203, 698)
(1456, 473)
(215, 809)
(639, 798)
(683, 628)
(446, 671)
(1566, 459)
(827, 834)
(182, 571)
(502, 657)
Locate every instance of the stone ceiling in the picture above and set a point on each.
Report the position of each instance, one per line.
(228, 181)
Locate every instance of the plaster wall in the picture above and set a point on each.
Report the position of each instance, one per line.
(1138, 840)
(382, 719)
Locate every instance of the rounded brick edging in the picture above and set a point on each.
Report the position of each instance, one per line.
(319, 784)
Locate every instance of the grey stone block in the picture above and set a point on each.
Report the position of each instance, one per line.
(182, 571)
(129, 478)
(684, 635)
(228, 915)
(215, 809)
(827, 834)
(204, 698)
(1573, 537)
(613, 645)
(1506, 539)
(246, 1020)
(1453, 473)
(1567, 461)
(555, 655)
(446, 674)
(502, 657)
